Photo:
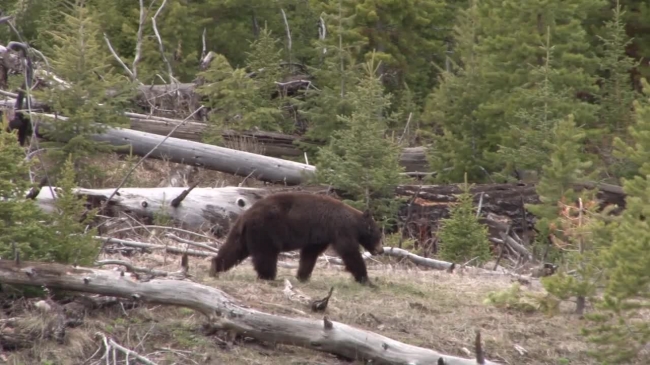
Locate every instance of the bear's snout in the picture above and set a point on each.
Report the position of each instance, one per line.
(378, 250)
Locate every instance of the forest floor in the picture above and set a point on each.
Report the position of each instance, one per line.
(426, 308)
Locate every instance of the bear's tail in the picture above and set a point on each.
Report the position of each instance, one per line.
(232, 252)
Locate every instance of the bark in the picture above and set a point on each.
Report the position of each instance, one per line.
(228, 314)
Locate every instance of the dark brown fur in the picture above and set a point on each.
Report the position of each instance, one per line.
(291, 221)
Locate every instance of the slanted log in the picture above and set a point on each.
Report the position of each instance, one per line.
(236, 162)
(413, 159)
(228, 313)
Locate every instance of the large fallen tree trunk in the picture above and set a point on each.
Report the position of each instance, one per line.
(236, 162)
(228, 314)
(413, 159)
(222, 159)
(199, 208)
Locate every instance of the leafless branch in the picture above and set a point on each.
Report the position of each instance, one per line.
(145, 157)
(138, 45)
(110, 344)
(286, 26)
(117, 57)
(160, 43)
(205, 47)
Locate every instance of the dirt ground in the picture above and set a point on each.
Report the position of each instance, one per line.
(430, 309)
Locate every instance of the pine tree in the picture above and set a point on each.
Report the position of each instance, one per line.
(616, 94)
(510, 34)
(406, 36)
(321, 107)
(78, 57)
(71, 238)
(566, 164)
(230, 95)
(454, 110)
(570, 219)
(20, 219)
(462, 236)
(620, 329)
(29, 232)
(264, 59)
(525, 148)
(359, 159)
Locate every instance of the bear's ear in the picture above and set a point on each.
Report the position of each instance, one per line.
(367, 214)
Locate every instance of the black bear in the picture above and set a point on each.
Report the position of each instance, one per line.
(289, 221)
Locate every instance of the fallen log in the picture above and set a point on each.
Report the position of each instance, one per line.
(236, 162)
(432, 202)
(413, 159)
(228, 314)
(211, 208)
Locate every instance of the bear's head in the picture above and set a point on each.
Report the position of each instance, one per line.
(370, 235)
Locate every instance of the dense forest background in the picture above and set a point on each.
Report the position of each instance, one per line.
(481, 82)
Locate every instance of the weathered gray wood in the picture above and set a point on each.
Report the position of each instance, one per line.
(201, 208)
(222, 159)
(413, 159)
(227, 313)
(236, 162)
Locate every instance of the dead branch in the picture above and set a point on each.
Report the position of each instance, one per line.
(161, 47)
(119, 59)
(193, 243)
(419, 260)
(480, 357)
(173, 249)
(177, 200)
(220, 308)
(110, 344)
(137, 269)
(145, 157)
(138, 44)
(153, 246)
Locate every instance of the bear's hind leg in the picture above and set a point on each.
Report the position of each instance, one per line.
(265, 264)
(308, 257)
(353, 261)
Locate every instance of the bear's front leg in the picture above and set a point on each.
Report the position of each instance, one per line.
(265, 264)
(354, 262)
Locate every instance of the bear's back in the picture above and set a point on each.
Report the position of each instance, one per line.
(304, 216)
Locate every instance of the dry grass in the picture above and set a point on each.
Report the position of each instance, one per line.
(425, 308)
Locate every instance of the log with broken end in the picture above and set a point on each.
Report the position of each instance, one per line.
(320, 335)
(193, 208)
